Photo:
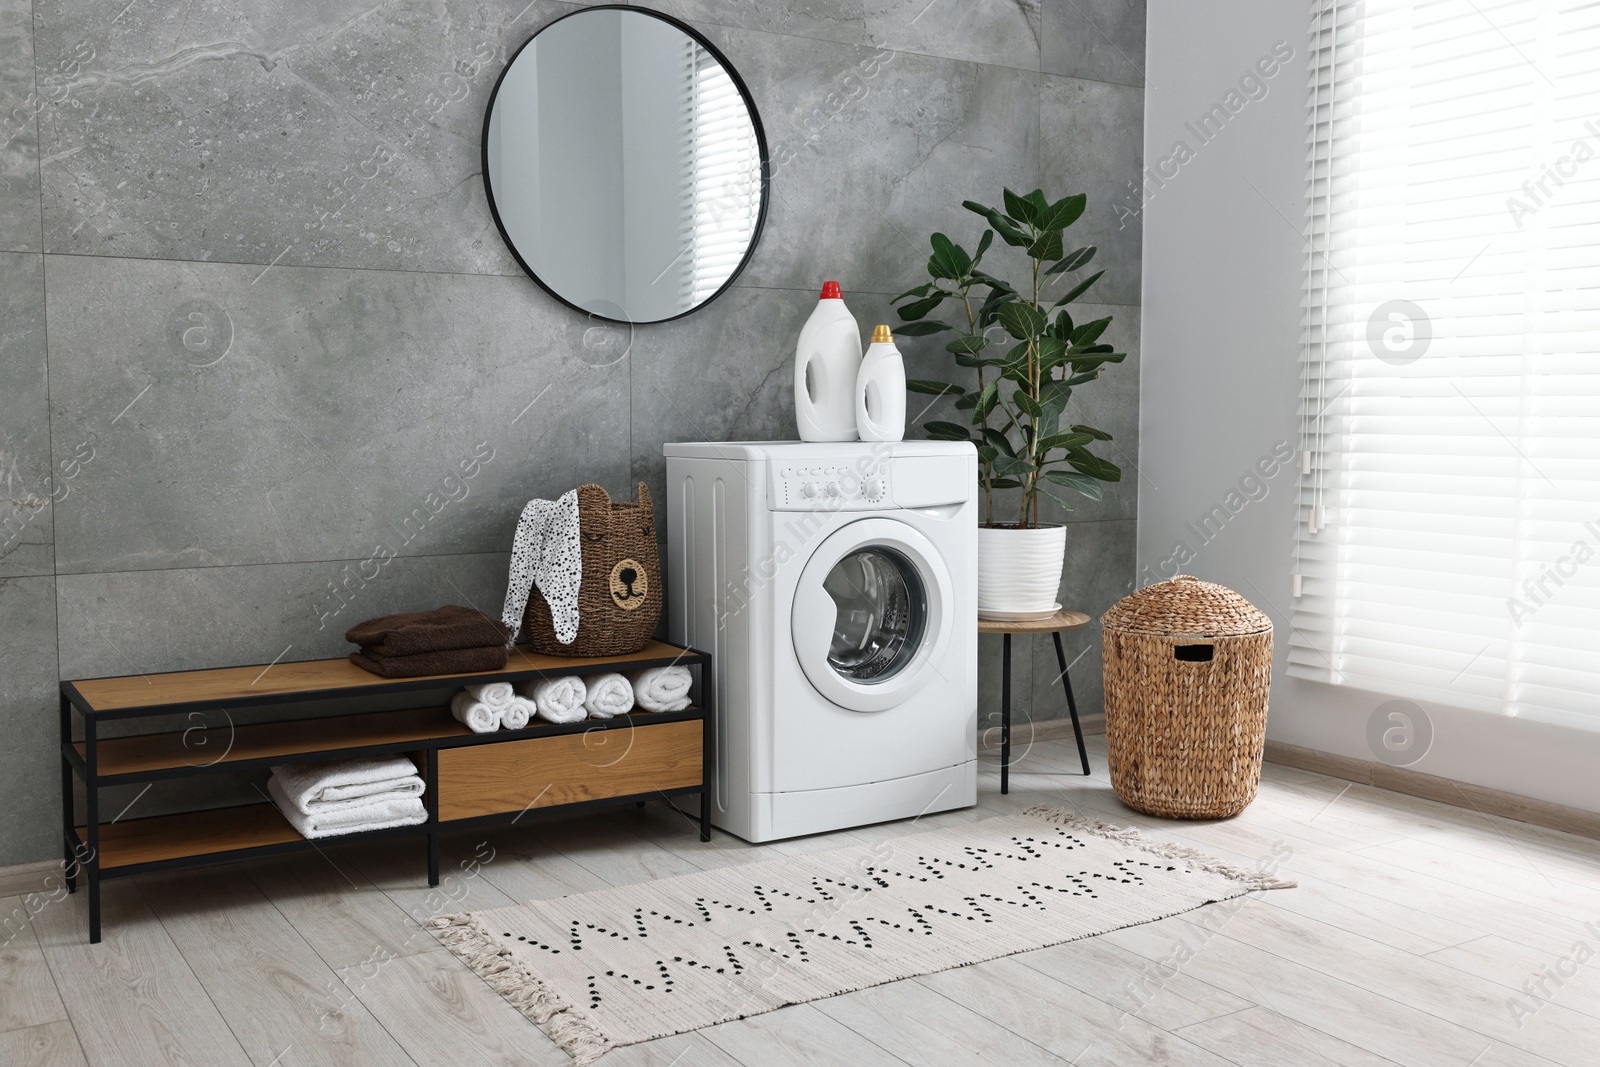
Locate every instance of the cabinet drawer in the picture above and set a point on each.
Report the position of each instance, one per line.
(541, 772)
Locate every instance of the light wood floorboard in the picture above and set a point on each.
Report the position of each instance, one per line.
(45, 1045)
(1416, 931)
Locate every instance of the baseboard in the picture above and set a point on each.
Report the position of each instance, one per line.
(1049, 730)
(27, 878)
(1442, 790)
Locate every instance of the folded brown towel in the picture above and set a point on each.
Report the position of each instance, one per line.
(450, 661)
(439, 630)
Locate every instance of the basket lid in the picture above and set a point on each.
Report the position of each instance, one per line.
(1186, 606)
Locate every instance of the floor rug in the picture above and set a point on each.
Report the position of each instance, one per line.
(637, 962)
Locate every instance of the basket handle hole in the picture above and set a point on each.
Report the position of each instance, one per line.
(1193, 653)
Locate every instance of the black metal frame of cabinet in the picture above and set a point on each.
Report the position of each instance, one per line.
(81, 853)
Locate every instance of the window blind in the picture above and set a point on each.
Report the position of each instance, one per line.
(727, 177)
(1449, 522)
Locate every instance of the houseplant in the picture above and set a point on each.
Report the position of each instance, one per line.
(1029, 355)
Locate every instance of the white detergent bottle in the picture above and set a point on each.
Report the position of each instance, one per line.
(825, 365)
(881, 390)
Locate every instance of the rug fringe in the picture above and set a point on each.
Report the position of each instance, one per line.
(568, 1027)
(1134, 839)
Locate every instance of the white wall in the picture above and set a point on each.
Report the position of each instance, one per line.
(1223, 259)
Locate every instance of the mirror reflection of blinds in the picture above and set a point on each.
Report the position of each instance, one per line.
(726, 188)
(1449, 538)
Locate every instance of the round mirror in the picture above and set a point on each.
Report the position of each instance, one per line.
(625, 164)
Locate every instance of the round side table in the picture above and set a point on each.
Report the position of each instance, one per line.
(1053, 625)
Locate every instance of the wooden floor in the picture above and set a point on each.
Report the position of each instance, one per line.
(1414, 938)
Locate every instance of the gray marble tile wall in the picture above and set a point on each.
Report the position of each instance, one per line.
(258, 333)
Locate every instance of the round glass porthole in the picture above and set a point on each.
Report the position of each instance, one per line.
(881, 611)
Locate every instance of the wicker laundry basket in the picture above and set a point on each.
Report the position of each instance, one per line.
(1188, 665)
(619, 598)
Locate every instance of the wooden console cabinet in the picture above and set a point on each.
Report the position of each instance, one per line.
(470, 778)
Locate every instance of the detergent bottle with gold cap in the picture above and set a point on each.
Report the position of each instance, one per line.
(881, 390)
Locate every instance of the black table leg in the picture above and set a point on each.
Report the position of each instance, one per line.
(431, 771)
(91, 760)
(1072, 705)
(1005, 714)
(69, 851)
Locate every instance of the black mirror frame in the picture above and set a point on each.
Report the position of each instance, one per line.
(755, 121)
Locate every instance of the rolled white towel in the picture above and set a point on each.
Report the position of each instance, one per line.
(518, 712)
(371, 813)
(661, 688)
(477, 716)
(560, 699)
(609, 695)
(498, 695)
(308, 785)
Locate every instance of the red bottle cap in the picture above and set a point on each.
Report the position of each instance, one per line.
(830, 291)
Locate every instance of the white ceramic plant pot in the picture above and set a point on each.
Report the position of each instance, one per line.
(1019, 571)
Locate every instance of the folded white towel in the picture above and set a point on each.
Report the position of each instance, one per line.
(661, 688)
(309, 784)
(371, 814)
(560, 699)
(475, 715)
(518, 712)
(498, 695)
(609, 695)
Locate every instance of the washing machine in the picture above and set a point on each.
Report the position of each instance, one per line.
(835, 586)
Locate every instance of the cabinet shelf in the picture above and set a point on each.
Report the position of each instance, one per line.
(468, 778)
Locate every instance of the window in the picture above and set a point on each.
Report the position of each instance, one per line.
(727, 177)
(1449, 540)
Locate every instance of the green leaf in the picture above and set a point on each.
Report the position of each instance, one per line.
(1027, 404)
(987, 400)
(923, 385)
(947, 261)
(986, 454)
(1098, 435)
(967, 402)
(1081, 379)
(1075, 261)
(1021, 320)
(1064, 505)
(1063, 213)
(921, 329)
(1004, 483)
(1020, 208)
(1064, 440)
(1040, 204)
(946, 431)
(1079, 289)
(1082, 483)
(993, 283)
(919, 308)
(971, 343)
(1008, 233)
(1092, 465)
(983, 246)
(1051, 352)
(1055, 395)
(922, 290)
(1015, 466)
(1047, 247)
(1090, 332)
(999, 441)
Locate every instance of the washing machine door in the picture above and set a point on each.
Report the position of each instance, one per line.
(871, 616)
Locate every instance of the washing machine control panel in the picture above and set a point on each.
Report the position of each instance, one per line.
(829, 485)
